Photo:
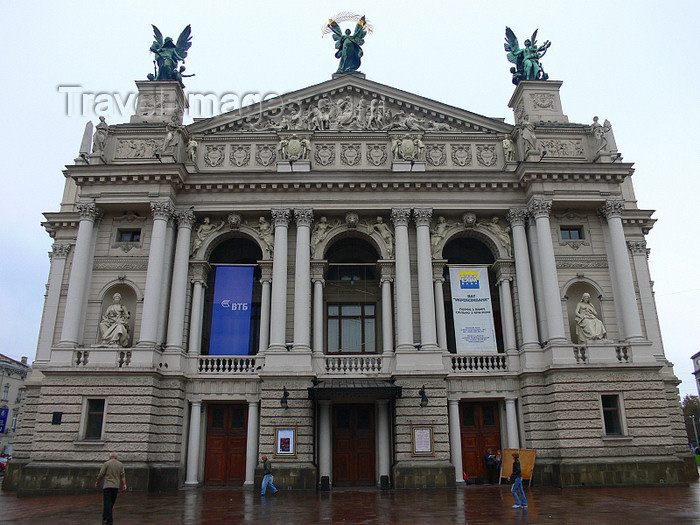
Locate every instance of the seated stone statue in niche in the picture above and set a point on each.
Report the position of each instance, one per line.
(588, 326)
(114, 327)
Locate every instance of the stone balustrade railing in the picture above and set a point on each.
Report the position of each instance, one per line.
(480, 363)
(352, 364)
(225, 365)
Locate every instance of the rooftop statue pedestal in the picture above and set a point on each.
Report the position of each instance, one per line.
(539, 100)
(159, 101)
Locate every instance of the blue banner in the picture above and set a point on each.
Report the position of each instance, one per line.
(230, 318)
(3, 419)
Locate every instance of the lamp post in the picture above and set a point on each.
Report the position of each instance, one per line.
(692, 417)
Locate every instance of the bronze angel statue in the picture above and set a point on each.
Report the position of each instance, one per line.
(527, 59)
(349, 46)
(168, 54)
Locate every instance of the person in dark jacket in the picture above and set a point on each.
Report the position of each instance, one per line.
(517, 479)
(267, 477)
(491, 465)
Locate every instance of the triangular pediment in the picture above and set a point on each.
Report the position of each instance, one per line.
(350, 103)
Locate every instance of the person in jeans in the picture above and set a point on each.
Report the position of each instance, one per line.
(517, 478)
(112, 472)
(267, 477)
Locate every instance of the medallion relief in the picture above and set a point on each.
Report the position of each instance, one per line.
(461, 154)
(214, 155)
(239, 156)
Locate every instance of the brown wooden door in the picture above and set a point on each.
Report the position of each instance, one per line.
(226, 444)
(480, 430)
(353, 445)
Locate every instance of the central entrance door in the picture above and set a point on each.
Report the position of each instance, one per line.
(226, 444)
(353, 445)
(480, 431)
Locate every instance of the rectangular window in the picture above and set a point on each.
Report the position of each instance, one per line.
(352, 328)
(94, 418)
(611, 414)
(132, 235)
(571, 233)
(19, 396)
(6, 393)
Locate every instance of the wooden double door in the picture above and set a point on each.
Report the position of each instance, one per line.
(226, 444)
(353, 445)
(481, 430)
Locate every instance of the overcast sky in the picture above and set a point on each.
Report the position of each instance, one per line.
(633, 63)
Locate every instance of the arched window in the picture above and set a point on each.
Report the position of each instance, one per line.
(468, 251)
(234, 252)
(352, 297)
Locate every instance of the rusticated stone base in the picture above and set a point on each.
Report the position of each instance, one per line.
(35, 479)
(424, 474)
(671, 472)
(289, 477)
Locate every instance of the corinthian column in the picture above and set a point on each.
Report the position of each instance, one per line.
(523, 278)
(79, 278)
(386, 269)
(302, 280)
(266, 282)
(278, 311)
(540, 210)
(318, 269)
(53, 296)
(646, 294)
(404, 303)
(154, 276)
(438, 280)
(426, 292)
(612, 211)
(199, 283)
(178, 293)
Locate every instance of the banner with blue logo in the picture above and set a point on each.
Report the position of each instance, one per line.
(472, 311)
(230, 317)
(3, 419)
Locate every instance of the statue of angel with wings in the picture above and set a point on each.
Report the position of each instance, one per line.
(168, 54)
(349, 46)
(527, 59)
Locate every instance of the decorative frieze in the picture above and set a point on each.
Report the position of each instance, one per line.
(240, 155)
(562, 148)
(581, 261)
(121, 263)
(137, 148)
(324, 154)
(350, 154)
(215, 154)
(461, 154)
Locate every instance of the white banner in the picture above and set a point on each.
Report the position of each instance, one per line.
(471, 310)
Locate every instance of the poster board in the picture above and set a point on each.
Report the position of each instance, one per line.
(286, 442)
(527, 462)
(422, 441)
(472, 311)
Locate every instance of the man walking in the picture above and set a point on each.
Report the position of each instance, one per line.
(112, 472)
(517, 478)
(267, 477)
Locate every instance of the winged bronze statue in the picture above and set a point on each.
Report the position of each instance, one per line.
(168, 54)
(349, 46)
(526, 59)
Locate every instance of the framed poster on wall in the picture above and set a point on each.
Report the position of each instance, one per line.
(285, 442)
(422, 440)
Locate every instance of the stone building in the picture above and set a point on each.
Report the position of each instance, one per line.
(324, 227)
(12, 376)
(696, 368)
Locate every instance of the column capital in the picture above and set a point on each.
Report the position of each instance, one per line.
(280, 216)
(637, 247)
(304, 216)
(60, 250)
(386, 270)
(88, 211)
(200, 271)
(400, 216)
(196, 402)
(504, 270)
(612, 208)
(265, 271)
(439, 270)
(318, 270)
(422, 216)
(162, 209)
(540, 208)
(517, 216)
(185, 219)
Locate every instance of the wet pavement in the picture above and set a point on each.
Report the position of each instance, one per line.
(472, 505)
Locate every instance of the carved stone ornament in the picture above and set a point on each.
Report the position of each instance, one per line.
(501, 233)
(294, 148)
(239, 156)
(376, 154)
(280, 216)
(60, 250)
(437, 236)
(234, 221)
(350, 154)
(562, 148)
(214, 155)
(408, 147)
(399, 216)
(461, 154)
(540, 208)
(318, 235)
(508, 150)
(486, 155)
(303, 216)
(423, 216)
(469, 219)
(137, 149)
(324, 154)
(352, 219)
(162, 210)
(265, 154)
(636, 247)
(435, 154)
(542, 100)
(88, 211)
(612, 208)
(266, 236)
(519, 112)
(185, 219)
(517, 216)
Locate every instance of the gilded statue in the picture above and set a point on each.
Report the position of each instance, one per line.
(114, 326)
(588, 326)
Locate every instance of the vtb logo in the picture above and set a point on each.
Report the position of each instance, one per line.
(469, 280)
